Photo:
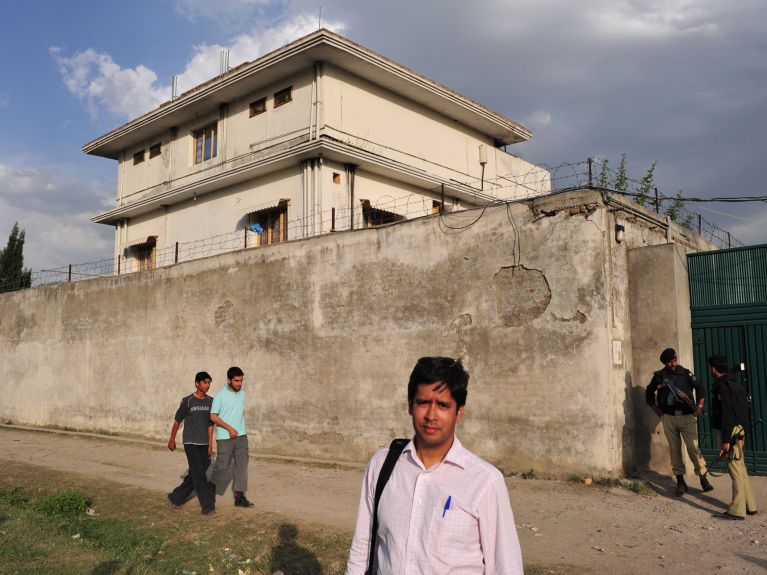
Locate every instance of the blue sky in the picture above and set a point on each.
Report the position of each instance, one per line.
(678, 81)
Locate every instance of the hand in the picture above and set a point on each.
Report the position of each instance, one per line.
(698, 411)
(172, 445)
(232, 433)
(210, 450)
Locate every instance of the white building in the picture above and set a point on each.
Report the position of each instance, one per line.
(320, 135)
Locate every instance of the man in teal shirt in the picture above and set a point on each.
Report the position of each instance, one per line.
(228, 413)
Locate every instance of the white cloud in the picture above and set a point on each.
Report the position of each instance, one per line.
(102, 85)
(204, 63)
(539, 118)
(54, 205)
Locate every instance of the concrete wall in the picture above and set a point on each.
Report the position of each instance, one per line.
(659, 283)
(328, 329)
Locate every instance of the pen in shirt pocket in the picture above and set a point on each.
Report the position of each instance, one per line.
(447, 505)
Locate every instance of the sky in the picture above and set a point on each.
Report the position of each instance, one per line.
(680, 82)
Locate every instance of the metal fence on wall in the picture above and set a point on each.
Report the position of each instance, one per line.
(501, 190)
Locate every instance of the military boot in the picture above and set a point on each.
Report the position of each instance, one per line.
(705, 484)
(681, 486)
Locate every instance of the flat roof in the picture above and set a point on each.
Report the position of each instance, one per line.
(320, 46)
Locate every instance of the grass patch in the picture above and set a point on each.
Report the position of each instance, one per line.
(14, 496)
(135, 533)
(529, 474)
(67, 503)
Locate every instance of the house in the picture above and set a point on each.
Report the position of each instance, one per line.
(320, 135)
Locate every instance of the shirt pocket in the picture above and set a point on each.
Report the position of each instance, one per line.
(456, 526)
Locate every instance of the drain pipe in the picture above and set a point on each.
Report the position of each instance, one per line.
(350, 171)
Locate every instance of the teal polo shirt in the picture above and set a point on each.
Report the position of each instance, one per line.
(230, 406)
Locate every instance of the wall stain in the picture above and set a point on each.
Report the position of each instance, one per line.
(521, 295)
(224, 314)
(578, 316)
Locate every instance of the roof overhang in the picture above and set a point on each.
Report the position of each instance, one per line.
(325, 148)
(320, 46)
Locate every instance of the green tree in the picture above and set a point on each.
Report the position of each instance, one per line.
(604, 177)
(676, 212)
(13, 276)
(621, 181)
(646, 186)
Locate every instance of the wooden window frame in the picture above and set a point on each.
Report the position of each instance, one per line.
(155, 150)
(257, 107)
(138, 157)
(373, 217)
(282, 97)
(274, 222)
(145, 254)
(205, 136)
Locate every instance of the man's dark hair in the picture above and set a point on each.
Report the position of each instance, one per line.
(233, 372)
(202, 376)
(719, 363)
(445, 369)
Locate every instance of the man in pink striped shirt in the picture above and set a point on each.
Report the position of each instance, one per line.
(444, 510)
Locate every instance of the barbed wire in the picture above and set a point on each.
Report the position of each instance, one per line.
(540, 179)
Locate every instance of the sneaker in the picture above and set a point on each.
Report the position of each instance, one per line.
(242, 501)
(173, 506)
(212, 514)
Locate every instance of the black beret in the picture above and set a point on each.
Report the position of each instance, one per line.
(667, 355)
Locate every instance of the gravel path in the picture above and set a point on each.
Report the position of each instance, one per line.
(590, 529)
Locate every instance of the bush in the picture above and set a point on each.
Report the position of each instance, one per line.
(67, 503)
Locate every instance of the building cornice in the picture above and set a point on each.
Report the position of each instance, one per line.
(320, 46)
(326, 148)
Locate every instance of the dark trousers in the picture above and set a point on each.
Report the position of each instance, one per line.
(195, 480)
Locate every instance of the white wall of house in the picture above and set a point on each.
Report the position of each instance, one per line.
(400, 149)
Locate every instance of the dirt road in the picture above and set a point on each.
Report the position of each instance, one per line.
(599, 530)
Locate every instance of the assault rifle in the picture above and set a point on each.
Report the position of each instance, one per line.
(679, 394)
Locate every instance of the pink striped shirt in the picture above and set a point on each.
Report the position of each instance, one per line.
(421, 533)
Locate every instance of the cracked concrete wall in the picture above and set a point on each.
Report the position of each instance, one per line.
(327, 331)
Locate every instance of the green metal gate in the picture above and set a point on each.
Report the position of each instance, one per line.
(728, 302)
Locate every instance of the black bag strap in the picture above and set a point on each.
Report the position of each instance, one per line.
(395, 450)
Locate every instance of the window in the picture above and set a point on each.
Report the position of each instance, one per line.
(205, 143)
(336, 178)
(145, 254)
(435, 205)
(374, 217)
(155, 151)
(273, 222)
(138, 157)
(283, 96)
(257, 107)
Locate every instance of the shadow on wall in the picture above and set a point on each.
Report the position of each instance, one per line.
(629, 436)
(646, 423)
(638, 429)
